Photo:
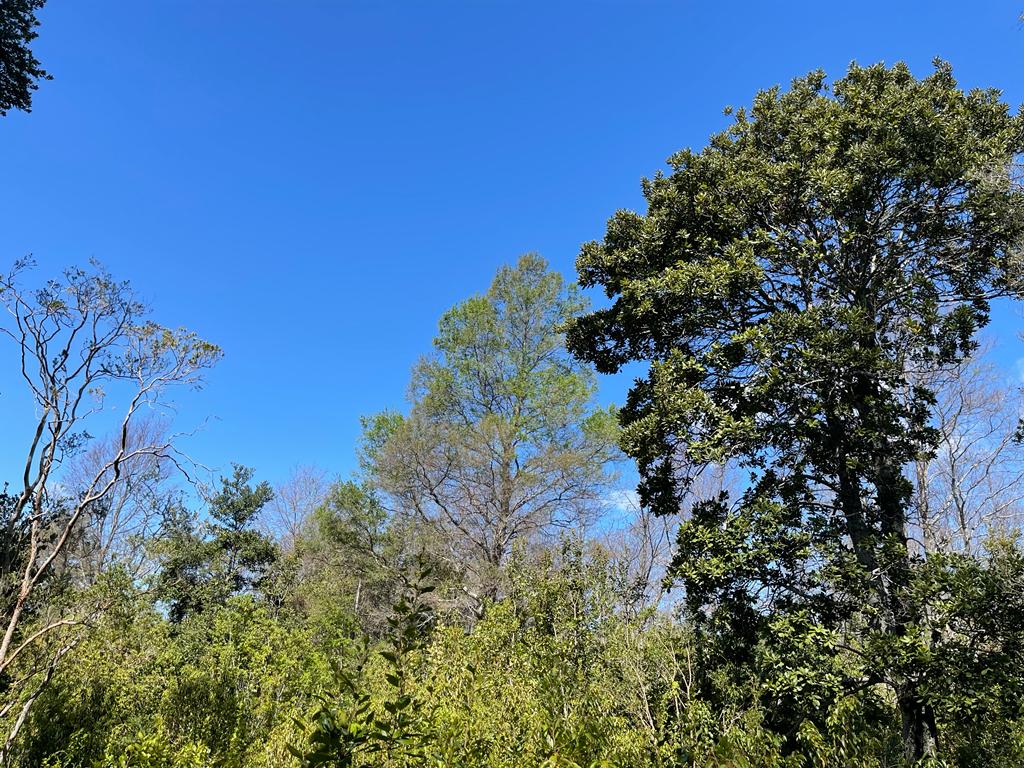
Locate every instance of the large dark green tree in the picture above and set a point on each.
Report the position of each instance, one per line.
(785, 284)
(19, 68)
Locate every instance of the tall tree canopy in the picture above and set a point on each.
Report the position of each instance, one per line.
(19, 68)
(503, 441)
(784, 284)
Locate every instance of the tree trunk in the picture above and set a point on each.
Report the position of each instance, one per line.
(920, 737)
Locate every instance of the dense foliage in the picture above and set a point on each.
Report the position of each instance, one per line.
(19, 68)
(825, 568)
(788, 285)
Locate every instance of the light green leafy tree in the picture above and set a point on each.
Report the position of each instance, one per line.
(503, 442)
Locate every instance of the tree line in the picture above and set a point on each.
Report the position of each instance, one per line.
(822, 565)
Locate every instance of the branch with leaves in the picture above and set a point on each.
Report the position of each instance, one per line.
(80, 342)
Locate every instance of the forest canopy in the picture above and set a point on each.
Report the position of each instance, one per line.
(823, 565)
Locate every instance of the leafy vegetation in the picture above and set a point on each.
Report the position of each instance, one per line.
(19, 68)
(825, 567)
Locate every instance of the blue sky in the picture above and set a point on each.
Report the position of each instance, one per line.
(311, 184)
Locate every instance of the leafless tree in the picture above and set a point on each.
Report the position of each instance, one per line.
(973, 485)
(117, 527)
(90, 359)
(295, 499)
(643, 543)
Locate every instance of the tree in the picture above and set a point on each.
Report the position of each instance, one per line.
(118, 527)
(971, 487)
(351, 560)
(19, 68)
(784, 284)
(224, 557)
(643, 544)
(74, 339)
(503, 441)
(293, 503)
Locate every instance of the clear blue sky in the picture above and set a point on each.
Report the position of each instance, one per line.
(311, 184)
